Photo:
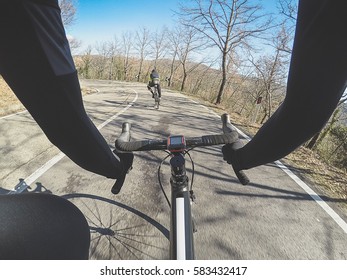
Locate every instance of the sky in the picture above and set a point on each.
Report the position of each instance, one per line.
(100, 20)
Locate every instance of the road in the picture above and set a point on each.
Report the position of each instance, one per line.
(272, 218)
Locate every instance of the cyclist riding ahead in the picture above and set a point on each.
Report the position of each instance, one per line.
(154, 80)
(36, 62)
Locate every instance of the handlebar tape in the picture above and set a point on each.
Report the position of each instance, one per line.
(227, 127)
(230, 138)
(122, 144)
(125, 135)
(209, 140)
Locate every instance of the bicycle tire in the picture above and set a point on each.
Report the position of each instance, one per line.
(120, 232)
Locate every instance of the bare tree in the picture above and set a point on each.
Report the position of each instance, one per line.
(159, 44)
(127, 45)
(174, 39)
(141, 46)
(85, 70)
(113, 51)
(227, 24)
(74, 43)
(289, 8)
(68, 11)
(188, 44)
(272, 69)
(101, 61)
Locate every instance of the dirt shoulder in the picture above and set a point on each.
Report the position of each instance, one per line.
(9, 103)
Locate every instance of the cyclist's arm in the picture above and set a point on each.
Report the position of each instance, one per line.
(36, 62)
(317, 80)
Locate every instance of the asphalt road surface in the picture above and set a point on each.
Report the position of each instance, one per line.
(272, 218)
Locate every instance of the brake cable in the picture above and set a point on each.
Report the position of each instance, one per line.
(192, 196)
(160, 184)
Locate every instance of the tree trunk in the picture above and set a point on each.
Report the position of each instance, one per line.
(183, 81)
(224, 79)
(140, 70)
(171, 71)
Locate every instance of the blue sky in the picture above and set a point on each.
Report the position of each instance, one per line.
(100, 20)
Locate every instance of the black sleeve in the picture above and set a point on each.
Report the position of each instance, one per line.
(316, 82)
(36, 62)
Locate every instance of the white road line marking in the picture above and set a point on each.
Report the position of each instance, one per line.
(12, 115)
(39, 172)
(314, 196)
(49, 164)
(298, 181)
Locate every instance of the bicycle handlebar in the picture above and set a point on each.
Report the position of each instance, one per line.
(229, 137)
(191, 142)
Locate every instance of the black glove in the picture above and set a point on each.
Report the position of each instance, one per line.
(228, 151)
(126, 160)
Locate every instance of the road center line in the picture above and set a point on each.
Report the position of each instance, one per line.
(49, 164)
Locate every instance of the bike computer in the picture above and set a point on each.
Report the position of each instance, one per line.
(176, 143)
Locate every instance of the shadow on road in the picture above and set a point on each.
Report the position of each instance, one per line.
(116, 235)
(148, 219)
(280, 194)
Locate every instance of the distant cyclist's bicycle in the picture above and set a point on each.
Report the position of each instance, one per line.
(155, 93)
(177, 146)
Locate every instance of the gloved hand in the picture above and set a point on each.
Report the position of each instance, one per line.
(229, 156)
(126, 160)
(228, 151)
